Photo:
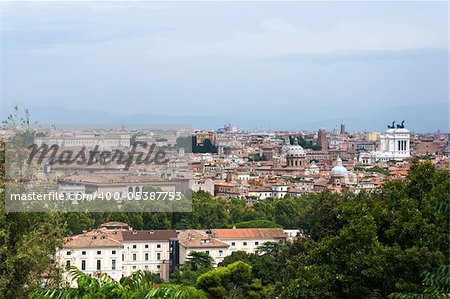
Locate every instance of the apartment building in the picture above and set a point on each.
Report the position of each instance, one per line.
(220, 243)
(201, 241)
(93, 252)
(118, 250)
(248, 239)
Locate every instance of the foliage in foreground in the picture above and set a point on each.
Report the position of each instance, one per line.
(136, 286)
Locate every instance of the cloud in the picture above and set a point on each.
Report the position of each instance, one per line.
(277, 37)
(272, 37)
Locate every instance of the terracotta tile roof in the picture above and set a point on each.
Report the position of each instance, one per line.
(249, 233)
(199, 239)
(92, 239)
(151, 235)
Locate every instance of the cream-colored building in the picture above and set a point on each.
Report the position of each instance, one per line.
(220, 243)
(92, 252)
(248, 239)
(201, 241)
(118, 250)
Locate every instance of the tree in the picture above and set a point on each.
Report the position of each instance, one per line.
(257, 224)
(27, 240)
(233, 281)
(137, 285)
(197, 264)
(373, 244)
(437, 285)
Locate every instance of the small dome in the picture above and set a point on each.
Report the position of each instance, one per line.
(339, 169)
(294, 150)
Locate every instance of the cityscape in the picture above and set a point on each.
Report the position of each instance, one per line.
(224, 150)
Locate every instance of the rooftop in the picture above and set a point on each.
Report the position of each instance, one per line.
(248, 233)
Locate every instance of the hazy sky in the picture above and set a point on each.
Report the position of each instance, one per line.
(252, 60)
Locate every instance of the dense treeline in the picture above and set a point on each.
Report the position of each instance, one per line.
(208, 212)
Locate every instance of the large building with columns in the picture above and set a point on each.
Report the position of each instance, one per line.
(394, 145)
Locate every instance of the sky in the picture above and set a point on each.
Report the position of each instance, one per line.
(271, 65)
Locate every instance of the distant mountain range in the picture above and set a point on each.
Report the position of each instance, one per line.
(418, 118)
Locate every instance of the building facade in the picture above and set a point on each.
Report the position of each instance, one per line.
(394, 145)
(118, 250)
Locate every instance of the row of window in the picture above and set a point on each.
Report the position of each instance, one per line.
(146, 246)
(99, 252)
(99, 264)
(146, 267)
(158, 256)
(244, 243)
(220, 252)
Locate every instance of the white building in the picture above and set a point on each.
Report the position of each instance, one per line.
(394, 145)
(279, 191)
(200, 241)
(117, 250)
(259, 192)
(89, 140)
(313, 169)
(248, 239)
(220, 243)
(365, 159)
(92, 252)
(147, 250)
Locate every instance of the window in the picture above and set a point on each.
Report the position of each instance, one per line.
(158, 255)
(83, 265)
(134, 246)
(67, 264)
(220, 252)
(233, 243)
(146, 245)
(134, 267)
(146, 256)
(99, 264)
(99, 252)
(83, 253)
(123, 257)
(158, 245)
(245, 243)
(113, 252)
(158, 266)
(68, 252)
(146, 266)
(113, 264)
(207, 251)
(134, 256)
(256, 243)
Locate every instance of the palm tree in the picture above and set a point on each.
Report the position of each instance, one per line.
(138, 285)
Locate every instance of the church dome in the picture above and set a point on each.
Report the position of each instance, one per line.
(294, 150)
(339, 169)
